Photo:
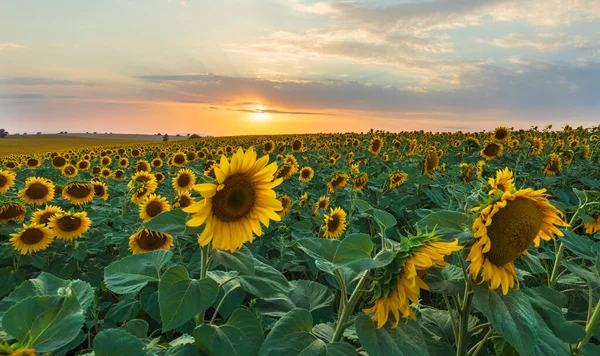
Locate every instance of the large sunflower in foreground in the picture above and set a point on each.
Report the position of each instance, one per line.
(70, 226)
(184, 180)
(334, 224)
(78, 193)
(152, 206)
(43, 216)
(505, 229)
(146, 240)
(37, 191)
(32, 238)
(12, 211)
(7, 180)
(242, 199)
(398, 284)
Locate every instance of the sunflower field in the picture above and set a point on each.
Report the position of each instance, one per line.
(379, 243)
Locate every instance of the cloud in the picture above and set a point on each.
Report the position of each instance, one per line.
(544, 42)
(10, 45)
(26, 81)
(270, 111)
(28, 96)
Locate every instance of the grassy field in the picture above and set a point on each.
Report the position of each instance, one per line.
(45, 143)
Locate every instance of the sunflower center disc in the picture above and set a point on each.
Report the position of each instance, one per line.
(69, 223)
(491, 150)
(235, 200)
(32, 162)
(333, 223)
(3, 181)
(69, 170)
(59, 161)
(305, 173)
(284, 170)
(99, 190)
(338, 182)
(32, 236)
(12, 211)
(37, 191)
(179, 159)
(151, 240)
(183, 180)
(154, 208)
(184, 201)
(513, 229)
(501, 134)
(79, 190)
(44, 219)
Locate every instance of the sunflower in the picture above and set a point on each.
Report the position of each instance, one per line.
(144, 184)
(337, 181)
(183, 199)
(152, 206)
(334, 223)
(105, 161)
(178, 159)
(142, 165)
(7, 180)
(146, 240)
(553, 166)
(100, 190)
(431, 161)
(536, 147)
(503, 182)
(592, 226)
(360, 182)
(12, 211)
(157, 163)
(298, 145)
(32, 238)
(303, 199)
(83, 165)
(397, 179)
(159, 177)
(119, 174)
(466, 172)
(43, 216)
(306, 174)
(286, 203)
(184, 180)
(33, 163)
(398, 284)
(491, 150)
(37, 191)
(376, 145)
(95, 171)
(293, 162)
(501, 134)
(284, 171)
(268, 147)
(58, 162)
(105, 173)
(124, 163)
(479, 167)
(243, 198)
(70, 171)
(78, 193)
(70, 226)
(505, 229)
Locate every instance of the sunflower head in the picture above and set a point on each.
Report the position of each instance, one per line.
(303, 199)
(501, 134)
(268, 147)
(467, 172)
(43, 216)
(286, 203)
(78, 193)
(142, 165)
(12, 211)
(360, 182)
(306, 174)
(242, 199)
(178, 159)
(37, 191)
(376, 145)
(100, 190)
(32, 238)
(152, 206)
(397, 179)
(553, 166)
(505, 228)
(59, 162)
(322, 204)
(284, 171)
(184, 180)
(504, 181)
(33, 163)
(146, 240)
(70, 226)
(398, 284)
(334, 224)
(7, 180)
(298, 145)
(491, 150)
(183, 200)
(431, 161)
(337, 181)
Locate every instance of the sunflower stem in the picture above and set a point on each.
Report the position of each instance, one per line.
(463, 331)
(589, 329)
(475, 349)
(342, 323)
(212, 320)
(204, 261)
(452, 316)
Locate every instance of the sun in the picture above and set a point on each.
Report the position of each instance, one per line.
(259, 115)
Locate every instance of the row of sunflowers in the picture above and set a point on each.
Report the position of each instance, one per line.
(378, 243)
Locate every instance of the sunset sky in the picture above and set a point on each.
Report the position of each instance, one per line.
(271, 66)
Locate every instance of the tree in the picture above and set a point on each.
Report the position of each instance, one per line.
(3, 133)
(166, 137)
(194, 136)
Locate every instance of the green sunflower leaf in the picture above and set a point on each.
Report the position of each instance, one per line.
(132, 273)
(241, 335)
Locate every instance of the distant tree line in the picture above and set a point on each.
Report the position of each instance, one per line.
(3, 133)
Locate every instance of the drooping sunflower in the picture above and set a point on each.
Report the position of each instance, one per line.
(360, 182)
(466, 172)
(146, 240)
(144, 184)
(501, 134)
(284, 171)
(334, 223)
(43, 216)
(397, 179)
(78, 193)
(431, 161)
(503, 182)
(553, 166)
(70, 171)
(12, 211)
(70, 226)
(593, 226)
(184, 180)
(153, 205)
(32, 238)
(537, 146)
(337, 181)
(306, 174)
(178, 159)
(37, 191)
(398, 284)
(505, 229)
(303, 199)
(100, 190)
(491, 150)
(183, 199)
(286, 203)
(234, 208)
(7, 180)
(376, 145)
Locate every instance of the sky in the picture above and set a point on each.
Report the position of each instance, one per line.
(271, 66)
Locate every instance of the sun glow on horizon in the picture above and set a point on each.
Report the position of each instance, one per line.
(259, 115)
